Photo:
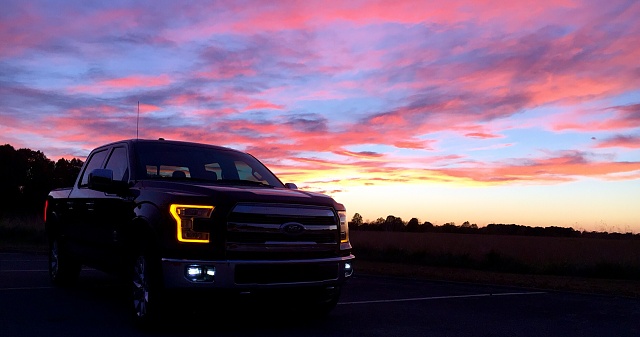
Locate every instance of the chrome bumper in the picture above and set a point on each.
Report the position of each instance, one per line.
(259, 274)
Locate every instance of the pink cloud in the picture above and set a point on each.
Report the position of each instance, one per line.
(566, 167)
(617, 118)
(148, 108)
(14, 34)
(33, 26)
(227, 71)
(257, 105)
(123, 83)
(300, 15)
(630, 142)
(362, 154)
(413, 144)
(137, 81)
(481, 135)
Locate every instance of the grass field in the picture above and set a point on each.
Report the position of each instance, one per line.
(601, 258)
(22, 231)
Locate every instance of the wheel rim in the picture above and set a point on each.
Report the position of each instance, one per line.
(54, 259)
(140, 287)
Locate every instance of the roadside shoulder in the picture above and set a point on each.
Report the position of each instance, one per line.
(625, 288)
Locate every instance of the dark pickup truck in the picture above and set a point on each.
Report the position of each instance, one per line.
(176, 216)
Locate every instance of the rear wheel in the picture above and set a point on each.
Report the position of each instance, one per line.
(63, 269)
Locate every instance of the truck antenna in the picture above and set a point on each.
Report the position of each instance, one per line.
(138, 120)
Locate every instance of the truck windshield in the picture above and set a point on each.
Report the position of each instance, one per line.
(157, 160)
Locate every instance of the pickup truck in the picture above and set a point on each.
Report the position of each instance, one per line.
(175, 216)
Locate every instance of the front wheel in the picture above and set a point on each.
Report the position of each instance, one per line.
(326, 302)
(145, 289)
(63, 269)
(314, 303)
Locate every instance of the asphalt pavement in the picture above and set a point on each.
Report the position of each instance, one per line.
(370, 306)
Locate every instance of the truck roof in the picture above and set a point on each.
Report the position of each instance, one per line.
(162, 140)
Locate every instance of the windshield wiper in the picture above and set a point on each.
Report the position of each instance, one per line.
(187, 179)
(241, 182)
(220, 181)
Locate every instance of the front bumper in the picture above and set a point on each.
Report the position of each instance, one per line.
(259, 274)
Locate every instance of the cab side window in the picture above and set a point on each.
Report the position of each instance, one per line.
(119, 164)
(94, 162)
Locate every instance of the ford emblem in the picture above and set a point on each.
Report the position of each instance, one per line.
(292, 228)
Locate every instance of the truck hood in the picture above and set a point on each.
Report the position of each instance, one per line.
(234, 194)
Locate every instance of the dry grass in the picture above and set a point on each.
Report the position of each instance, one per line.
(19, 231)
(537, 255)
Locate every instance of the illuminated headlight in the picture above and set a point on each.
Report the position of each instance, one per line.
(198, 273)
(185, 216)
(344, 227)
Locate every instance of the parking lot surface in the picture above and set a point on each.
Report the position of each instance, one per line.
(370, 306)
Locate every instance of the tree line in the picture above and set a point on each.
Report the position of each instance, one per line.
(396, 224)
(27, 176)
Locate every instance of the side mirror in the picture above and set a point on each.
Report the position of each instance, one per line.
(291, 186)
(102, 180)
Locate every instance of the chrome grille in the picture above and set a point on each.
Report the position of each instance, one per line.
(275, 231)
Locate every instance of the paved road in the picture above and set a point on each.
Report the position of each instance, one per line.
(370, 306)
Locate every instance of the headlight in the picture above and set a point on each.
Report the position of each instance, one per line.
(344, 227)
(184, 216)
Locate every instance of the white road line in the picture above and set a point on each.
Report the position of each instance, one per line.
(8, 261)
(40, 270)
(26, 288)
(440, 298)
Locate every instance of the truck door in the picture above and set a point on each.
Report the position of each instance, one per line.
(110, 211)
(80, 209)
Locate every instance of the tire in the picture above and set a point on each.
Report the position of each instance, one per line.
(63, 269)
(146, 290)
(327, 301)
(315, 303)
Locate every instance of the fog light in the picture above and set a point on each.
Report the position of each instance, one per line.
(197, 273)
(348, 269)
(194, 271)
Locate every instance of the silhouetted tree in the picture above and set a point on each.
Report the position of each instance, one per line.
(449, 227)
(467, 227)
(394, 224)
(388, 223)
(36, 179)
(357, 220)
(413, 225)
(65, 172)
(9, 178)
(27, 176)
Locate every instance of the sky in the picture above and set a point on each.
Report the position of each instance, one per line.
(523, 112)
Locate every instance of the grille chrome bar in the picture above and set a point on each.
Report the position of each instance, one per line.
(264, 227)
(283, 210)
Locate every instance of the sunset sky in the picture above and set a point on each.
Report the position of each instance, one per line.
(522, 112)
